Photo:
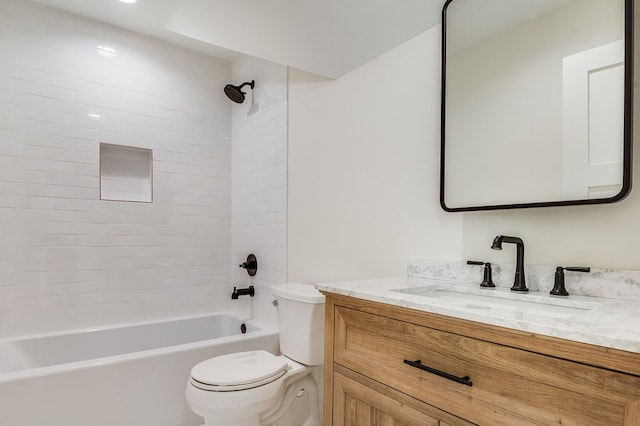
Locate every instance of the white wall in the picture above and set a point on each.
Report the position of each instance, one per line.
(362, 178)
(363, 182)
(259, 182)
(603, 236)
(364, 167)
(68, 259)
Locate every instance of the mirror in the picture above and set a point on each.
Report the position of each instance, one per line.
(536, 103)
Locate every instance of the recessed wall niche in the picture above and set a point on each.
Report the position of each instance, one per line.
(126, 173)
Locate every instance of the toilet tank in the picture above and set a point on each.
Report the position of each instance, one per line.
(301, 322)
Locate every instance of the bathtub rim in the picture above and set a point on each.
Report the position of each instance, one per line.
(263, 329)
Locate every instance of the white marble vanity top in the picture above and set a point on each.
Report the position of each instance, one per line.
(611, 323)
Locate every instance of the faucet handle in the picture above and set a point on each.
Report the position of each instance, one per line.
(251, 265)
(558, 283)
(487, 280)
(577, 268)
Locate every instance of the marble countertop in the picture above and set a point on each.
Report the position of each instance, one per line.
(611, 323)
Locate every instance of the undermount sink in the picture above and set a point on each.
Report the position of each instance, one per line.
(503, 304)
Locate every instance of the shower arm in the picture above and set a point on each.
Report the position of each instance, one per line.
(247, 83)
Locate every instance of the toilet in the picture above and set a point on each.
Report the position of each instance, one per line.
(257, 388)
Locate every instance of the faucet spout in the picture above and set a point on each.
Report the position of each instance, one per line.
(518, 280)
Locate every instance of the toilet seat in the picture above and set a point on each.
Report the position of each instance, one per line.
(238, 371)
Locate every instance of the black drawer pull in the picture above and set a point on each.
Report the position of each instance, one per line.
(418, 364)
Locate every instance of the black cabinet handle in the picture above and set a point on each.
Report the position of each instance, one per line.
(418, 364)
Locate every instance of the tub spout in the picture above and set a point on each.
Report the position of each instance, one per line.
(242, 292)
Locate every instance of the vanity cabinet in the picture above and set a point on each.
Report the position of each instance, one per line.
(386, 365)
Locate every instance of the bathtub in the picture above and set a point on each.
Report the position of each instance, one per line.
(117, 376)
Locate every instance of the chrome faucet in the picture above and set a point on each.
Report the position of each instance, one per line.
(518, 281)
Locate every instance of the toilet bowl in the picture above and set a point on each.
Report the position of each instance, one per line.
(257, 388)
(244, 388)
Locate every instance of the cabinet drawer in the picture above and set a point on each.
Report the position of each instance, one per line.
(359, 401)
(509, 386)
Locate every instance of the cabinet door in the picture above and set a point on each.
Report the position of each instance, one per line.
(355, 404)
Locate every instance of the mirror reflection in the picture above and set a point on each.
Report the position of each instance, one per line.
(534, 103)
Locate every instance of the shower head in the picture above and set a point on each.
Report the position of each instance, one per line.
(235, 93)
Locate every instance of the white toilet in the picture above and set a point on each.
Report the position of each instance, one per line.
(257, 388)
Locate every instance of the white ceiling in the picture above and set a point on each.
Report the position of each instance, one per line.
(326, 37)
(497, 16)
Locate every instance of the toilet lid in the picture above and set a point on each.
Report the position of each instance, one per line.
(237, 371)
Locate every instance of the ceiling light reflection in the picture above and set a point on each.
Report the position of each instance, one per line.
(106, 51)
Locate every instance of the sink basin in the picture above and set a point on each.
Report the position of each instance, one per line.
(509, 305)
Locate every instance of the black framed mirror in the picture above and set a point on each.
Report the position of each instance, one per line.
(536, 103)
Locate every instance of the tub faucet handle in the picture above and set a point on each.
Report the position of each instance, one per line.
(251, 265)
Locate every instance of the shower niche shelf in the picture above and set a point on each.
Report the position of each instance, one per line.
(126, 173)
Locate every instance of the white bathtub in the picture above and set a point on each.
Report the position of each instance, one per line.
(117, 376)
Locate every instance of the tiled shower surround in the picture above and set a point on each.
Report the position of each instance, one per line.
(67, 258)
(259, 181)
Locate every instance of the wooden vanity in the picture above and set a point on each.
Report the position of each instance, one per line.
(376, 357)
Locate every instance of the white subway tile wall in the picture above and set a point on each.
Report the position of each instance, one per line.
(68, 259)
(259, 181)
